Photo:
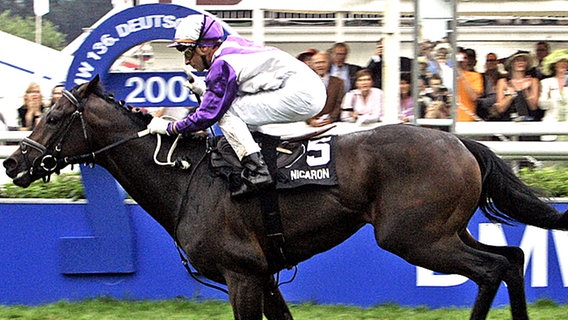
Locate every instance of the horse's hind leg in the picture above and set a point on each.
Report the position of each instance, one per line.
(514, 277)
(451, 255)
(275, 307)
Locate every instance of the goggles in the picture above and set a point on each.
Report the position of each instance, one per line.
(188, 51)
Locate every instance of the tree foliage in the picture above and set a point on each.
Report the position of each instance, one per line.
(25, 28)
(69, 16)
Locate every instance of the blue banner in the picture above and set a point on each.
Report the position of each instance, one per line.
(357, 272)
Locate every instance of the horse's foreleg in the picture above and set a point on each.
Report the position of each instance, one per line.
(514, 277)
(275, 307)
(246, 295)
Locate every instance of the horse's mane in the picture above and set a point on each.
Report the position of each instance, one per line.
(135, 114)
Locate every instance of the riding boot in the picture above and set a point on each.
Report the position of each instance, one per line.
(255, 175)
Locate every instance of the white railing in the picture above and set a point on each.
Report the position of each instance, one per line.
(11, 137)
(507, 149)
(511, 128)
(514, 149)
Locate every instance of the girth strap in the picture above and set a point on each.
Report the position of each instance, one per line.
(270, 207)
(273, 228)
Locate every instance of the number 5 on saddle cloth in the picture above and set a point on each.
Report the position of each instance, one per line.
(293, 163)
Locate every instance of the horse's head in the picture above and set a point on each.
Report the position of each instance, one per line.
(63, 136)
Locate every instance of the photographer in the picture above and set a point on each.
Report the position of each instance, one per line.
(437, 106)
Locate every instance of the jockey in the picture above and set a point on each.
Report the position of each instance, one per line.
(246, 86)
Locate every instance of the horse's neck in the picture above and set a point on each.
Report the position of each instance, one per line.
(160, 190)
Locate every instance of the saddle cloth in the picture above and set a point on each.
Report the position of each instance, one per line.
(293, 163)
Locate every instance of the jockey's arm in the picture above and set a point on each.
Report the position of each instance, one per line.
(222, 89)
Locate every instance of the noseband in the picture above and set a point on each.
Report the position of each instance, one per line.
(49, 162)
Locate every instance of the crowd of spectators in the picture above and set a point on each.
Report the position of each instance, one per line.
(524, 86)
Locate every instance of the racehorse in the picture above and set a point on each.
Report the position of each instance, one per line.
(417, 187)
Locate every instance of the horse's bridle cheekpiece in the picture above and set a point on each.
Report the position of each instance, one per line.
(49, 161)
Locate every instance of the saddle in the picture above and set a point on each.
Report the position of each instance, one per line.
(279, 155)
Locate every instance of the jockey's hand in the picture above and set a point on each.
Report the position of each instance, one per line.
(158, 126)
(195, 84)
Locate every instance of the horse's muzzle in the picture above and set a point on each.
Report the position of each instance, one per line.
(19, 176)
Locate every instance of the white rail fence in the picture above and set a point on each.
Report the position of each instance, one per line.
(514, 149)
(9, 142)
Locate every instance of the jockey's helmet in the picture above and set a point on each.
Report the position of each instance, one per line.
(198, 30)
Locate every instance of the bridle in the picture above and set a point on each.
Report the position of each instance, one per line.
(49, 161)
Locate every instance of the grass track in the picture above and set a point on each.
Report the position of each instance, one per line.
(110, 309)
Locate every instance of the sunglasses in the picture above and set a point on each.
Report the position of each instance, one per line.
(188, 51)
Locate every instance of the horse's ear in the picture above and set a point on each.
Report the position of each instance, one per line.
(89, 87)
(93, 84)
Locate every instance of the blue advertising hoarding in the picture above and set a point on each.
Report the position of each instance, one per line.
(357, 272)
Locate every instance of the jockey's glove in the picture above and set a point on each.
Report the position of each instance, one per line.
(159, 126)
(195, 84)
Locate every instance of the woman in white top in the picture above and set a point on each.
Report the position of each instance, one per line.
(363, 104)
(554, 90)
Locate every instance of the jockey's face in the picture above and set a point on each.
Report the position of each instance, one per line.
(200, 57)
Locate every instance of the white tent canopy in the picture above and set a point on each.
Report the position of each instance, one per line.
(23, 62)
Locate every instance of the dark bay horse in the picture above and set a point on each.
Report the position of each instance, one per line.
(417, 187)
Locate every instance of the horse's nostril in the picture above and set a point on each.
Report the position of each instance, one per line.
(10, 163)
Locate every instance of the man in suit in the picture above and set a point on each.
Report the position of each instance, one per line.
(320, 63)
(340, 68)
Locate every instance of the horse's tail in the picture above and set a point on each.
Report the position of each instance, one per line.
(504, 197)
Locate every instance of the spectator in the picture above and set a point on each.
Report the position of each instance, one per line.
(306, 56)
(471, 59)
(469, 89)
(423, 72)
(375, 65)
(423, 98)
(517, 93)
(320, 63)
(30, 112)
(554, 90)
(56, 93)
(425, 49)
(486, 103)
(491, 74)
(363, 104)
(437, 100)
(443, 67)
(340, 68)
(406, 102)
(542, 49)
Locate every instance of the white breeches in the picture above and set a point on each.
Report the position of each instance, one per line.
(299, 99)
